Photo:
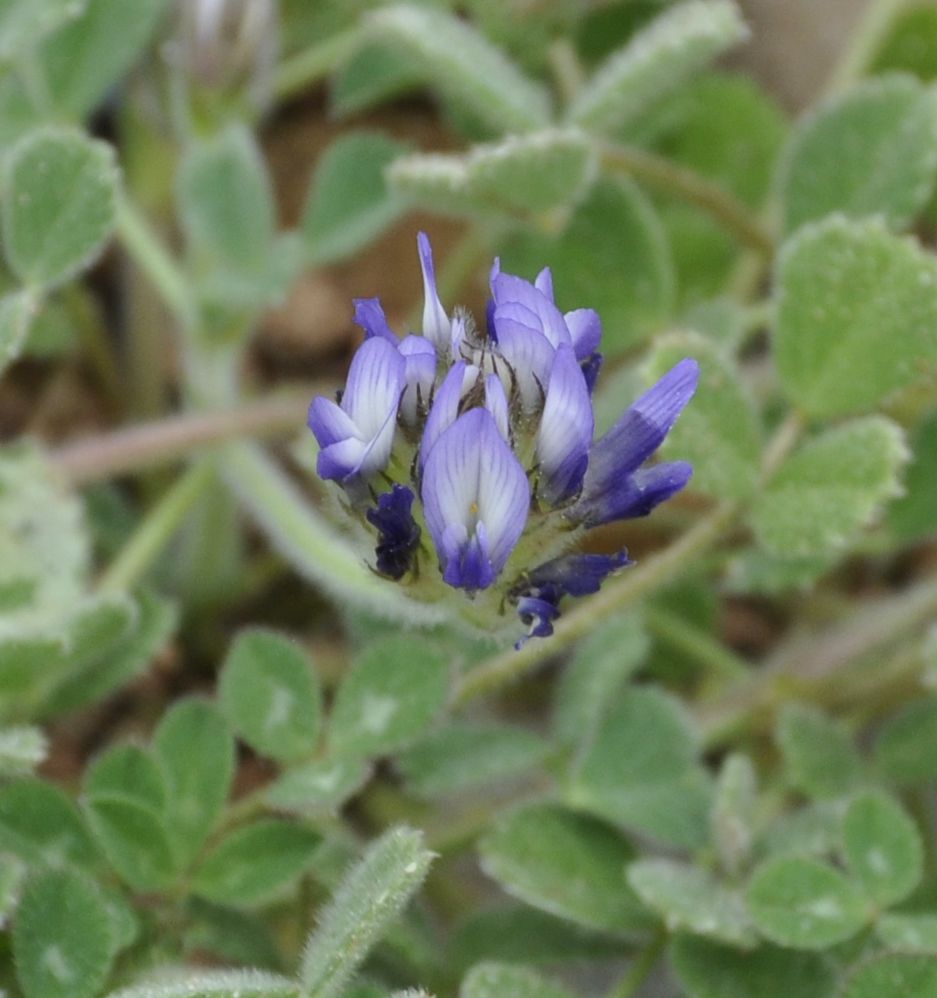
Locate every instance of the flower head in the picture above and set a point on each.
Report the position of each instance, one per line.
(470, 452)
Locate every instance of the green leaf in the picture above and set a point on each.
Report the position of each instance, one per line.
(12, 874)
(225, 200)
(370, 898)
(135, 840)
(58, 204)
(908, 933)
(657, 60)
(254, 863)
(871, 151)
(804, 903)
(505, 980)
(62, 942)
(101, 674)
(882, 847)
(893, 974)
(830, 488)
(127, 771)
(689, 898)
(84, 59)
(196, 752)
(528, 173)
(318, 787)
(349, 203)
(375, 73)
(395, 690)
(40, 824)
(819, 757)
(464, 66)
(913, 515)
(270, 693)
(213, 984)
(21, 750)
(595, 675)
(24, 23)
(641, 771)
(239, 937)
(719, 433)
(615, 229)
(17, 309)
(906, 748)
(524, 935)
(911, 44)
(856, 316)
(734, 812)
(711, 970)
(814, 830)
(567, 864)
(462, 756)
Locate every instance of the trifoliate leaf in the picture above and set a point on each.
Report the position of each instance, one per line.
(856, 316)
(127, 771)
(679, 43)
(567, 864)
(825, 492)
(872, 151)
(318, 787)
(270, 693)
(58, 204)
(804, 903)
(135, 839)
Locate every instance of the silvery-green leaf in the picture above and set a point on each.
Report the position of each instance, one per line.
(41, 825)
(21, 750)
(893, 974)
(819, 757)
(24, 23)
(318, 787)
(17, 309)
(135, 840)
(504, 980)
(911, 933)
(212, 984)
(905, 750)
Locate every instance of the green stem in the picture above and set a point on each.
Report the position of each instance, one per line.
(864, 43)
(720, 662)
(155, 261)
(156, 529)
(299, 72)
(671, 178)
(634, 584)
(644, 963)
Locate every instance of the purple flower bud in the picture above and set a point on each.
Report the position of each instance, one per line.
(398, 533)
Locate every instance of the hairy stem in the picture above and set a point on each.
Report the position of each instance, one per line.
(140, 447)
(671, 178)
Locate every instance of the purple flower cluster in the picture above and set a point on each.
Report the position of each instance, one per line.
(492, 432)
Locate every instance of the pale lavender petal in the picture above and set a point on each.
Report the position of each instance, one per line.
(329, 422)
(419, 375)
(566, 429)
(544, 283)
(436, 325)
(445, 408)
(530, 357)
(341, 460)
(642, 428)
(503, 491)
(585, 328)
(496, 402)
(369, 314)
(508, 289)
(375, 383)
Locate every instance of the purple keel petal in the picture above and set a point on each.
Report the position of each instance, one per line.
(475, 498)
(633, 495)
(566, 429)
(369, 314)
(329, 422)
(585, 328)
(640, 430)
(436, 325)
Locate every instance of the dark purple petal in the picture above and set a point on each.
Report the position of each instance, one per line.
(537, 615)
(369, 314)
(591, 367)
(585, 328)
(398, 533)
(566, 429)
(468, 565)
(638, 433)
(633, 495)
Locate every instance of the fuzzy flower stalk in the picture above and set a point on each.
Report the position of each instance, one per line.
(468, 452)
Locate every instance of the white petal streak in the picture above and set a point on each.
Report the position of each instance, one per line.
(375, 381)
(503, 491)
(445, 408)
(496, 402)
(567, 424)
